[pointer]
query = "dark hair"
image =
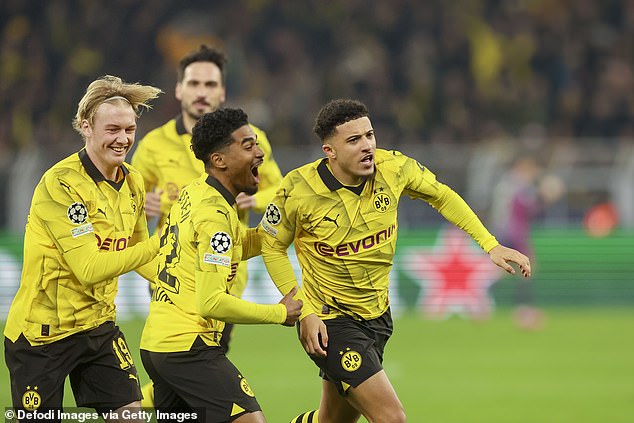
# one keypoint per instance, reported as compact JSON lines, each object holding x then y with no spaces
{"x":203,"y":54}
{"x":213,"y":131}
{"x":335,"y":113}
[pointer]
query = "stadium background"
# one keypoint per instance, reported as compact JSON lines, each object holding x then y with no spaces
{"x":463,"y":87}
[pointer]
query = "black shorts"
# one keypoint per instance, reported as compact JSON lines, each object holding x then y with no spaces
{"x":98,"y":361}
{"x":201,"y":380}
{"x":355,"y":350}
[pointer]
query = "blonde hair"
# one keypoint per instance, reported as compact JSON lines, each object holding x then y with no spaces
{"x":112,"y":88}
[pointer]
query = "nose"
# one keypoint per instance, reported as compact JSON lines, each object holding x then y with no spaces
{"x":121,"y":136}
{"x":368,"y":143}
{"x":258,"y":152}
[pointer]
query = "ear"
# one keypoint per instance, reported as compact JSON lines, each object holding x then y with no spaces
{"x":86,"y":129}
{"x":177,"y":91}
{"x":329,"y":151}
{"x":224,"y":95}
{"x":217,"y":160}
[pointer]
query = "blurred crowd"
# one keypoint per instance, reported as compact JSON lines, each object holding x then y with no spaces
{"x":432,"y":71}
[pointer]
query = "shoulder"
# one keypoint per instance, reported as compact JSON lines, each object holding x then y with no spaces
{"x":67,"y":177}
{"x":395,"y":161}
{"x":304,"y":174}
{"x":135,"y":177}
{"x":165,"y":132}
{"x":208,"y":205}
{"x":390,"y":156}
{"x":68,"y":170}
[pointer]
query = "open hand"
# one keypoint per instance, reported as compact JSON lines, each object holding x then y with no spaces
{"x":502,"y":256}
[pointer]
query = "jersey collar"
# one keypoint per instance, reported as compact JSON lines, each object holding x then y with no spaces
{"x":333,"y":183}
{"x":221,"y":189}
{"x":180,"y":126}
{"x":94,"y":173}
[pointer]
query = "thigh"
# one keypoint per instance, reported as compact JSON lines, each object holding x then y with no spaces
{"x":377,"y":400}
{"x":205,"y":379}
{"x":106,"y":377}
{"x":165,"y":399}
{"x":37,"y":373}
{"x":333,"y":407}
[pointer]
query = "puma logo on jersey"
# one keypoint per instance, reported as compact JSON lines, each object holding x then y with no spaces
{"x":65,"y":185}
{"x":225,"y":214}
{"x":327,"y":219}
{"x":102,"y":212}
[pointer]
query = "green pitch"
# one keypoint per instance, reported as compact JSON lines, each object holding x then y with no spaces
{"x":579,"y":368}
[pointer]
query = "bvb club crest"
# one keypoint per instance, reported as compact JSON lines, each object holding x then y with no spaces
{"x":244,"y":385}
{"x":381,"y":202}
{"x":350,"y":360}
{"x":31,"y":400}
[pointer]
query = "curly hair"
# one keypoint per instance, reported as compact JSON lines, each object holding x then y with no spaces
{"x":213,"y":132}
{"x":202,"y":54}
{"x":112,"y":89}
{"x":335,"y":113}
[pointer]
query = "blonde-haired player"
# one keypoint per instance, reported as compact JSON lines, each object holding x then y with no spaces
{"x":86,"y":226}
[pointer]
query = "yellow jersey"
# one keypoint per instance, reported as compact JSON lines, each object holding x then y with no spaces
{"x":165,"y":159}
{"x":345,"y":237}
{"x":82,"y":232}
{"x":202,"y":244}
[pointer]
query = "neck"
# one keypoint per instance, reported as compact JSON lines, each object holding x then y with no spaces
{"x":111,"y":175}
{"x":108,"y":172}
{"x":224,"y":180}
{"x":343,"y":177}
{"x":188,"y":122}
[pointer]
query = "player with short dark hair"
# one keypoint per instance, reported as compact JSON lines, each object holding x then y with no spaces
{"x":341,"y":214}
{"x":85,"y":227}
{"x":202,"y":243}
{"x":167,"y":163}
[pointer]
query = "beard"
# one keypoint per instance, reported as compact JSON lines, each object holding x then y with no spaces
{"x":195,"y":115}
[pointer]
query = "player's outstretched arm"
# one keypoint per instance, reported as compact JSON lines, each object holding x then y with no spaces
{"x":91,"y":266}
{"x":502,"y":256}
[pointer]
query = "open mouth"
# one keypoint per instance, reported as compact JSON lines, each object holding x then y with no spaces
{"x":255,"y":172}
{"x":367,"y":159}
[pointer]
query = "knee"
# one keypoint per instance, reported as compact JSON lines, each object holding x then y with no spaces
{"x":395,"y":415}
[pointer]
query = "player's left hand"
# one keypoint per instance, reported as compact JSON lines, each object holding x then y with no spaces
{"x":245,"y":201}
{"x":502,"y":256}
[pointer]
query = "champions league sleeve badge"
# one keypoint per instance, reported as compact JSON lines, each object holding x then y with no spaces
{"x":77,"y":213}
{"x":220,"y":242}
{"x":272,"y":216}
